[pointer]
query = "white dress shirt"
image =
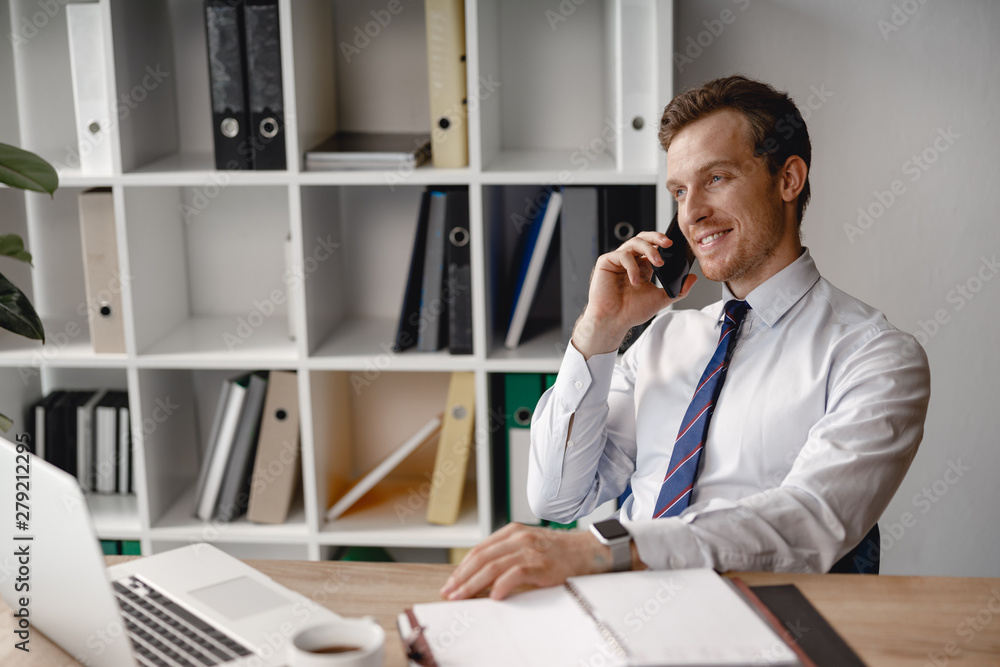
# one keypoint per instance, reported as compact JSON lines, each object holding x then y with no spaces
{"x":818,"y":420}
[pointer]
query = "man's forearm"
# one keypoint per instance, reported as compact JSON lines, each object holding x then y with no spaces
{"x":574,"y":464}
{"x":560,"y":483}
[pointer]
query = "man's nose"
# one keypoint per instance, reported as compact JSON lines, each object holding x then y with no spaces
{"x":695,"y":208}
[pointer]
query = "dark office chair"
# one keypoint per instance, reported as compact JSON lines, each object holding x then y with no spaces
{"x":862,"y":559}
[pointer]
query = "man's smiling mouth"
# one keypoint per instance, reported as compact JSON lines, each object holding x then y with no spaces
{"x":708,"y":239}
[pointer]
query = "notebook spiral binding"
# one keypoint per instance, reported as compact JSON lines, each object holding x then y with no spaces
{"x":616,"y":642}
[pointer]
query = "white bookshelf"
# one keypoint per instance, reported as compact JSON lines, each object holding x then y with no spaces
{"x":200,"y":248}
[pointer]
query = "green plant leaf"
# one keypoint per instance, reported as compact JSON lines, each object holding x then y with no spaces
{"x":11,"y":245}
{"x":5,"y":423}
{"x":16,"y":312}
{"x":27,"y":171}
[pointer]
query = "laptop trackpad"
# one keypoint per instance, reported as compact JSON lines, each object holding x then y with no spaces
{"x":239,"y":598}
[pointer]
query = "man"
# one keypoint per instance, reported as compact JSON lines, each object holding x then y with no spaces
{"x":816,"y":403}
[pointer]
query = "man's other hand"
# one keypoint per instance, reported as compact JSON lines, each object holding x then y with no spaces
{"x":519,"y":555}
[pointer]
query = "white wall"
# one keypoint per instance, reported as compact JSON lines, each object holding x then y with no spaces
{"x":897,"y":75}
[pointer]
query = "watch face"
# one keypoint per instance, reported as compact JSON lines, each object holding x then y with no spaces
{"x":611,"y":529}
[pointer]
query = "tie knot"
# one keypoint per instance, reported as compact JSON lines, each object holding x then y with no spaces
{"x":736,"y":310}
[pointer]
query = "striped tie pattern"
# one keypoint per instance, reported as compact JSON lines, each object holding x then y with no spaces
{"x":675,"y":492}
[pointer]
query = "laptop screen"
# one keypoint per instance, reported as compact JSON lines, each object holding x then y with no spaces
{"x":64,"y":580}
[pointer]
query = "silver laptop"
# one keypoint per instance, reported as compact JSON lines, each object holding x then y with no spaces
{"x":195,"y":605}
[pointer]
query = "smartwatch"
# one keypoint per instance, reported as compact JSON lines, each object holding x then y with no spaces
{"x":612,"y":533}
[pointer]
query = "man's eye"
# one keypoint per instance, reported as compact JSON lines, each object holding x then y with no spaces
{"x":678,"y":192}
{"x":716,"y":178}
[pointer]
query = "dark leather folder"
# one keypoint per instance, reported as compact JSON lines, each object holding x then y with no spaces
{"x":264,"y":89}
{"x":224,"y":20}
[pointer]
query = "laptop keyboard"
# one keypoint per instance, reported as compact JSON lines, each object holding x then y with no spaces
{"x":164,"y":634}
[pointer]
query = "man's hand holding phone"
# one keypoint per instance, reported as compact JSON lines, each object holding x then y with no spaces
{"x":621,"y":294}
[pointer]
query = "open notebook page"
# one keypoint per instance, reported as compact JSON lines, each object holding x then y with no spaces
{"x":682,"y":617}
{"x":543,"y":627}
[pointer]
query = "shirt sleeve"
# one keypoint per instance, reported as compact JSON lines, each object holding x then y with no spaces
{"x":841,"y":481}
{"x":580,"y":457}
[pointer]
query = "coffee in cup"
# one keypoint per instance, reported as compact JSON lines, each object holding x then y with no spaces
{"x":349,"y":642}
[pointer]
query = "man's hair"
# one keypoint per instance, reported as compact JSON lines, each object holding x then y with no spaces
{"x":775,"y":129}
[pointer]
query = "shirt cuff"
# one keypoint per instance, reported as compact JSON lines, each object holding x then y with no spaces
{"x":667,"y":544}
{"x":584,"y":381}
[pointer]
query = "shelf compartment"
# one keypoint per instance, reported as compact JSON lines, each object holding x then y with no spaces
{"x":360,"y":344}
{"x":178,"y":408}
{"x":508,"y":212}
{"x":173,"y":439}
{"x":197,"y":169}
{"x":209,"y":274}
{"x":382,"y":518}
{"x":515,"y":166}
{"x":354,"y":293}
{"x":157,"y":83}
{"x":67,"y":343}
{"x":115,"y":516}
{"x":423,"y":175}
{"x":18,"y":391}
{"x":358,"y":419}
{"x":179,"y":523}
{"x":198,"y":342}
{"x":161,"y":56}
{"x":95,"y":377}
{"x":542,"y":353}
{"x":47,"y":112}
{"x":548,"y":98}
{"x":57,"y":282}
{"x":551,"y":100}
{"x":333,"y":75}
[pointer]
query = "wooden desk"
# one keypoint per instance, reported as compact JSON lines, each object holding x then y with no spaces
{"x":887,"y":620}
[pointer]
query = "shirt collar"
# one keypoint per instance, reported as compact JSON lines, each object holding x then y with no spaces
{"x":776,"y":295}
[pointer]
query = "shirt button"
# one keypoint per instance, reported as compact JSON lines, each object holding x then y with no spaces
{"x":570,"y":443}
{"x":578,"y":384}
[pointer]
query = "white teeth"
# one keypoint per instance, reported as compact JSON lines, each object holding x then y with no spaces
{"x":709,"y":239}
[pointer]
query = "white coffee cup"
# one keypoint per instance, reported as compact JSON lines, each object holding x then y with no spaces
{"x":349,"y":642}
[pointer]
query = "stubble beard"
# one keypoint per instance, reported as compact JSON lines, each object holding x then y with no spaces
{"x":753,"y":252}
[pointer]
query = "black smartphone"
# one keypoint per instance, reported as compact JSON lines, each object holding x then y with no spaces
{"x":678,"y":261}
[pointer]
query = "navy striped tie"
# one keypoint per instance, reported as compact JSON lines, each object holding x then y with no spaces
{"x":675,"y":492}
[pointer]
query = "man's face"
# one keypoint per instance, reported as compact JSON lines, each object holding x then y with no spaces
{"x":729,"y":204}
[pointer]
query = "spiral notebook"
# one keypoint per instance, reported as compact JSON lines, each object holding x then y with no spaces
{"x":679,"y":617}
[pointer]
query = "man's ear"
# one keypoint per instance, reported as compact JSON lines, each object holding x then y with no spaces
{"x":792,"y":178}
